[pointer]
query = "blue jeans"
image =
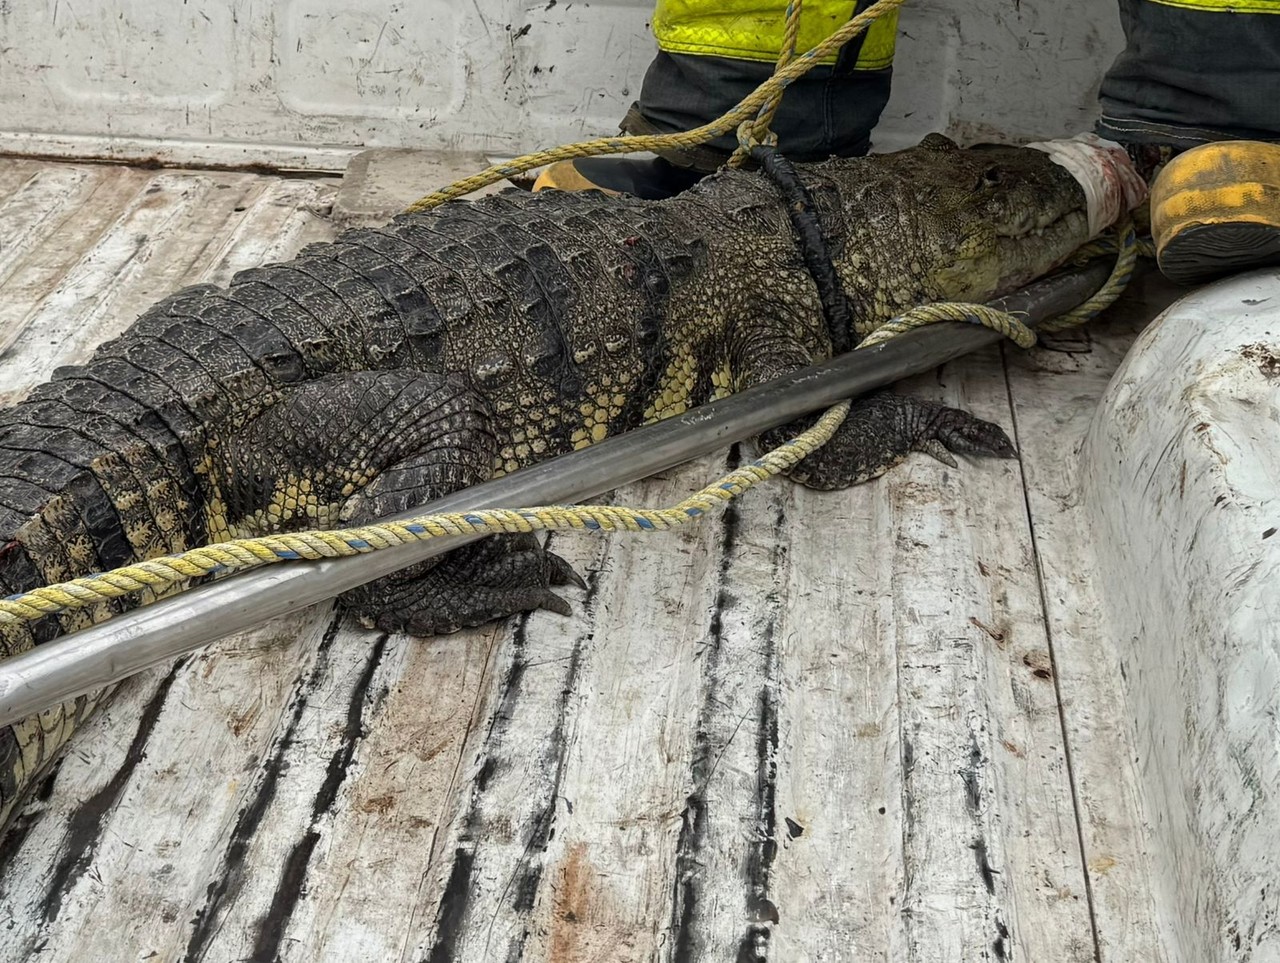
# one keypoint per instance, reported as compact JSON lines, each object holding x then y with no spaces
{"x":1188,"y":76}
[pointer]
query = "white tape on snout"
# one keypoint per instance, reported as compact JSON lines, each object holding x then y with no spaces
{"x":1111,"y":186}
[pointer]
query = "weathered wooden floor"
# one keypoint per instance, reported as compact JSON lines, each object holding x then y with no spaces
{"x":883,"y":724}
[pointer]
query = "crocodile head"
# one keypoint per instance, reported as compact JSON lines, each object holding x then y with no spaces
{"x":955,"y":224}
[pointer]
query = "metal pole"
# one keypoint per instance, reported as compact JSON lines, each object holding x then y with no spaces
{"x":87,"y":660}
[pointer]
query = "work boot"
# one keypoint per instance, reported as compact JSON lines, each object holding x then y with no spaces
{"x":1215,"y":210}
{"x":649,"y":178}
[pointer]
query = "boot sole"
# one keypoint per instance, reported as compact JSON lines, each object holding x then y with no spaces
{"x":1201,"y":252}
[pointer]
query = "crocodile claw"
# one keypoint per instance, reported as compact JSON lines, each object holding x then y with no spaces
{"x":938,"y":451}
{"x":554,"y":603}
{"x":562,"y":573}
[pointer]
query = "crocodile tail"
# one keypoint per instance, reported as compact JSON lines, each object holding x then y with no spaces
{"x":67,"y":508}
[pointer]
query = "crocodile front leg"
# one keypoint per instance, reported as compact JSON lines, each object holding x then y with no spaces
{"x":347,"y":449}
{"x":881,"y":429}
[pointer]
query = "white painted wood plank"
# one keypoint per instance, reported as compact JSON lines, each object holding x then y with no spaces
{"x":631,"y":758}
{"x":489,"y":857}
{"x":167,"y":231}
{"x":931,"y":815}
{"x":15,"y":172}
{"x":726,"y":899}
{"x":838,"y":871}
{"x":1055,"y":390}
{"x":116,"y":278}
{"x":991,"y":860}
{"x":252,"y":876}
{"x":143,"y":797}
{"x":29,"y":211}
{"x":371,"y":887}
{"x":271,"y":223}
{"x":324,"y":724}
{"x":46,"y":261}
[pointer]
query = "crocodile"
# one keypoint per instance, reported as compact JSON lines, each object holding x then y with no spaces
{"x":394,"y":365}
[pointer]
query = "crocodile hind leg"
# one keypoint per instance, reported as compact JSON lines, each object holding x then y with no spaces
{"x":491,"y":579}
{"x":881,"y":431}
{"x":478,"y":583}
{"x":346,"y":449}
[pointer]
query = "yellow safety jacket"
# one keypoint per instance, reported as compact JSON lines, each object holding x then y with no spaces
{"x":753,"y":29}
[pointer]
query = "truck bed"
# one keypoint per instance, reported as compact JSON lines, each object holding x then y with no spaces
{"x":881,"y":724}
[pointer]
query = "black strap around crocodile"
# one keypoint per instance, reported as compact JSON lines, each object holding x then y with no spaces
{"x":813,"y":243}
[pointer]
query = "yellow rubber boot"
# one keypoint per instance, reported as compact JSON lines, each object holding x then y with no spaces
{"x":565,"y":176}
{"x":651,"y":179}
{"x":1216,"y":210}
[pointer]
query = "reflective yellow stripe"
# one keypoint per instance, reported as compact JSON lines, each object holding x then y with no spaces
{"x":878,"y":43}
{"x":1225,"y":6}
{"x":753,"y":29}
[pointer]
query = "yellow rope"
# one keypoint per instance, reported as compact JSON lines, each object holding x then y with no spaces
{"x":757,"y":131}
{"x":747,"y":110}
{"x":1127,"y":248}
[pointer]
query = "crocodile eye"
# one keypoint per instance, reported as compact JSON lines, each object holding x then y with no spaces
{"x":991,"y":177}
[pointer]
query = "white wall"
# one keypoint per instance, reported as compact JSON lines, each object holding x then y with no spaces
{"x":304,"y":82}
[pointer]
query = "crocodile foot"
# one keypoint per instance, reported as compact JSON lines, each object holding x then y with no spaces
{"x":881,"y":431}
{"x":491,"y":579}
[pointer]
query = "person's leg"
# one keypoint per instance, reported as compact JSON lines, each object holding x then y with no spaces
{"x":693,"y":80}
{"x":1202,"y":74}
